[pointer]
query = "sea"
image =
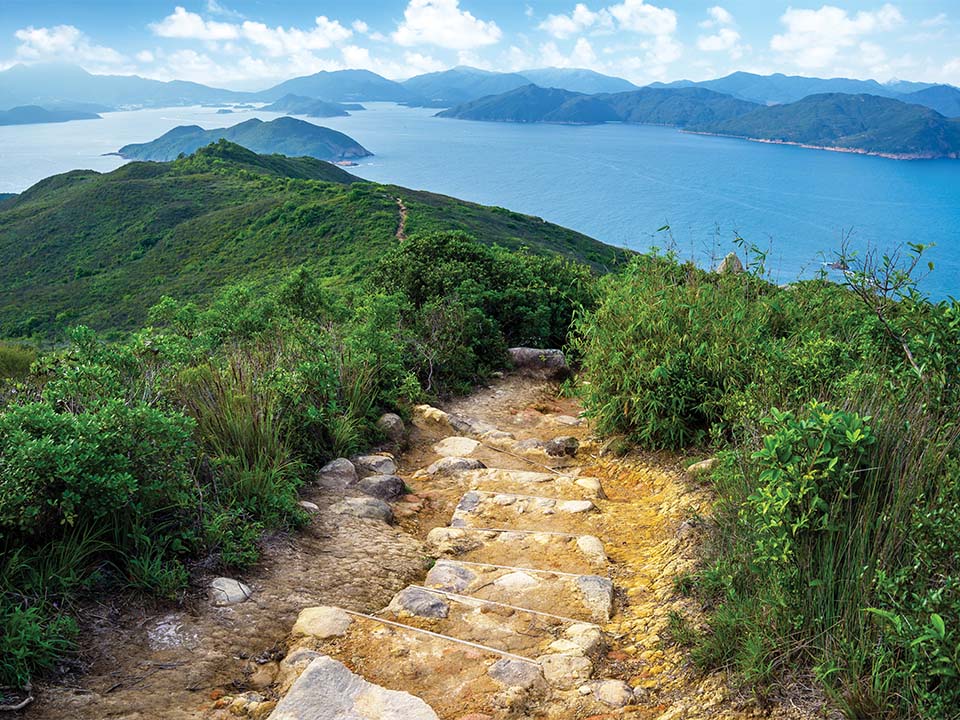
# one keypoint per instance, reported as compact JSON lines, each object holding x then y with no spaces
{"x":638,"y":187}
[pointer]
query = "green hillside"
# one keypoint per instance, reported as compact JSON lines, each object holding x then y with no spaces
{"x":101,"y":249}
{"x":861,"y":122}
{"x":285,"y":136}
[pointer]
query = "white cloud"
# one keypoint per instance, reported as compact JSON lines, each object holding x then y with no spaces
{"x":216,"y":8}
{"x":360,"y":26}
{"x":444,"y":24}
{"x":718,"y":16}
{"x":190,"y":26}
{"x":725,"y":38}
{"x":282,"y":41}
{"x":66,"y":43}
{"x":145,"y":56}
{"x":582,"y":18}
{"x":816,"y":39}
{"x":935,"y":21}
{"x":641,"y":17}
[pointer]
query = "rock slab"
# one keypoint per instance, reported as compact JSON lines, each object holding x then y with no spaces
{"x":327,"y":689}
{"x":227,"y":591}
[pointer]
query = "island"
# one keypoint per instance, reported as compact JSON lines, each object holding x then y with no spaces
{"x":283,"y":136}
{"x":311,"y":107}
{"x":35,"y":115}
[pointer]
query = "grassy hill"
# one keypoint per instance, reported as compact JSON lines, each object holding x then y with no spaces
{"x":101,"y":248}
{"x":860,"y":122}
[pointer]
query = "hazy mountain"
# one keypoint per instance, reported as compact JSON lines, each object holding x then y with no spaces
{"x":462,"y":84}
{"x":578,"y":80}
{"x":530,"y":103}
{"x":31,"y":114}
{"x":342,"y":86}
{"x":284,"y":136}
{"x":299,"y":105}
{"x":658,"y":106}
{"x":866,"y":123}
{"x":51,"y":84}
{"x":945,"y":99}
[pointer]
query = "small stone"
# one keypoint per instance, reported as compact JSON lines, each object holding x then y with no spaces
{"x":516,"y":581}
{"x":309,"y":506}
{"x":704,"y":466}
{"x":565,"y":646}
{"x":448,"y":576}
{"x":614,"y":693}
{"x":591,"y":485}
{"x":587,"y":637}
{"x":504,"y":500}
{"x":392,"y":426}
{"x":263,"y":676}
{"x":470,"y":426}
{"x":563,"y":445}
{"x":585,"y":690}
{"x":568,"y":420}
{"x":227,"y":591}
{"x":337,"y":474}
{"x":419,"y":602}
{"x":426,"y":417}
{"x":592,"y":547}
{"x":576,"y":506}
{"x":322,"y":622}
{"x":367,"y":507}
{"x":452,"y":465}
{"x":597,"y":594}
{"x":530,"y":444}
{"x":565,"y":671}
{"x":367,"y":465}
{"x":383,"y":487}
{"x":515,"y":673}
{"x":469,"y":502}
{"x":456,"y":446}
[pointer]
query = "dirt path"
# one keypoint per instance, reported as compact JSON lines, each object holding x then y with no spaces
{"x":497,"y":574}
{"x":402,"y":224}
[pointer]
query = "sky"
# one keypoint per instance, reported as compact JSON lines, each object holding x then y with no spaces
{"x":252,"y":44}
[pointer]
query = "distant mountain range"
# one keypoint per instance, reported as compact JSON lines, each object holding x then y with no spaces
{"x":656,"y":106}
{"x":34,"y":114}
{"x":859,"y":123}
{"x":284,"y":136}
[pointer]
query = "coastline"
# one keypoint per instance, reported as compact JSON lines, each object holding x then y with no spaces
{"x":832,"y":148}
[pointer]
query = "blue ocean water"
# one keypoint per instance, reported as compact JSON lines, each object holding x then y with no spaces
{"x":616,"y":183}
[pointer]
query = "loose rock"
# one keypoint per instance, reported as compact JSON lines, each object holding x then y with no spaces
{"x":337,"y":474}
{"x":704,"y":466}
{"x":322,"y":622}
{"x":614,"y":693}
{"x":597,"y":593}
{"x":419,"y":602}
{"x":451,"y":465}
{"x":450,"y":577}
{"x":383,"y":487}
{"x":456,"y":446}
{"x":563,"y":445}
{"x":227,"y":591}
{"x":367,"y":465}
{"x":592,"y":547}
{"x":515,"y":673}
{"x":576,"y":506}
{"x":392,"y":426}
{"x":565,"y":671}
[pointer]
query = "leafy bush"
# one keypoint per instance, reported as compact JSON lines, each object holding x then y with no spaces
{"x":15,"y":361}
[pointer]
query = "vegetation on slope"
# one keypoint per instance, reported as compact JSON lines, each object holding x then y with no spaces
{"x":861,"y":122}
{"x":284,"y":136}
{"x":833,"y":547}
{"x":100,"y":249}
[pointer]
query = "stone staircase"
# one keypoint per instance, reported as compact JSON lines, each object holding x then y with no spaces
{"x":508,"y":621}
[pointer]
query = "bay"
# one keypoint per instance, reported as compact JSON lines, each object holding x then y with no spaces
{"x":617,"y":183}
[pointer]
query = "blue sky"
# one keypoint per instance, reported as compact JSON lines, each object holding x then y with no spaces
{"x":249,"y":44}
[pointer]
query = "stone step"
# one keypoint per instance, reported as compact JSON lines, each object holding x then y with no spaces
{"x":486,"y":508}
{"x":452,"y":676}
{"x":517,"y":630}
{"x":582,"y":597}
{"x":542,"y":484}
{"x":567,"y":552}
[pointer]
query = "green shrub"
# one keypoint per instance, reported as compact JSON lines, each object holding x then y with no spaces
{"x":15,"y":361}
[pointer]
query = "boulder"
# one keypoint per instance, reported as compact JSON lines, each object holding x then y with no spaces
{"x":565,"y":670}
{"x":516,"y":581}
{"x":585,"y":636}
{"x":227,"y":591}
{"x":456,"y":446}
{"x":382,"y":487}
{"x":337,"y":474}
{"x":563,"y":445}
{"x":420,"y":603}
{"x":542,"y":363}
{"x":430,"y":418}
{"x":597,"y":594}
{"x":322,"y":622}
{"x":452,"y":465}
{"x":591,"y":546}
{"x":450,"y":577}
{"x":367,"y":465}
{"x":516,"y":673}
{"x":702,"y":467}
{"x":614,"y":693}
{"x":392,"y":426}
{"x":730,"y":265}
{"x":367,"y":507}
{"x":327,"y":689}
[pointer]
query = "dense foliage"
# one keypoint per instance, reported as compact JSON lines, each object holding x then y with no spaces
{"x":121,"y":463}
{"x":104,"y":248}
{"x":834,"y":550}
